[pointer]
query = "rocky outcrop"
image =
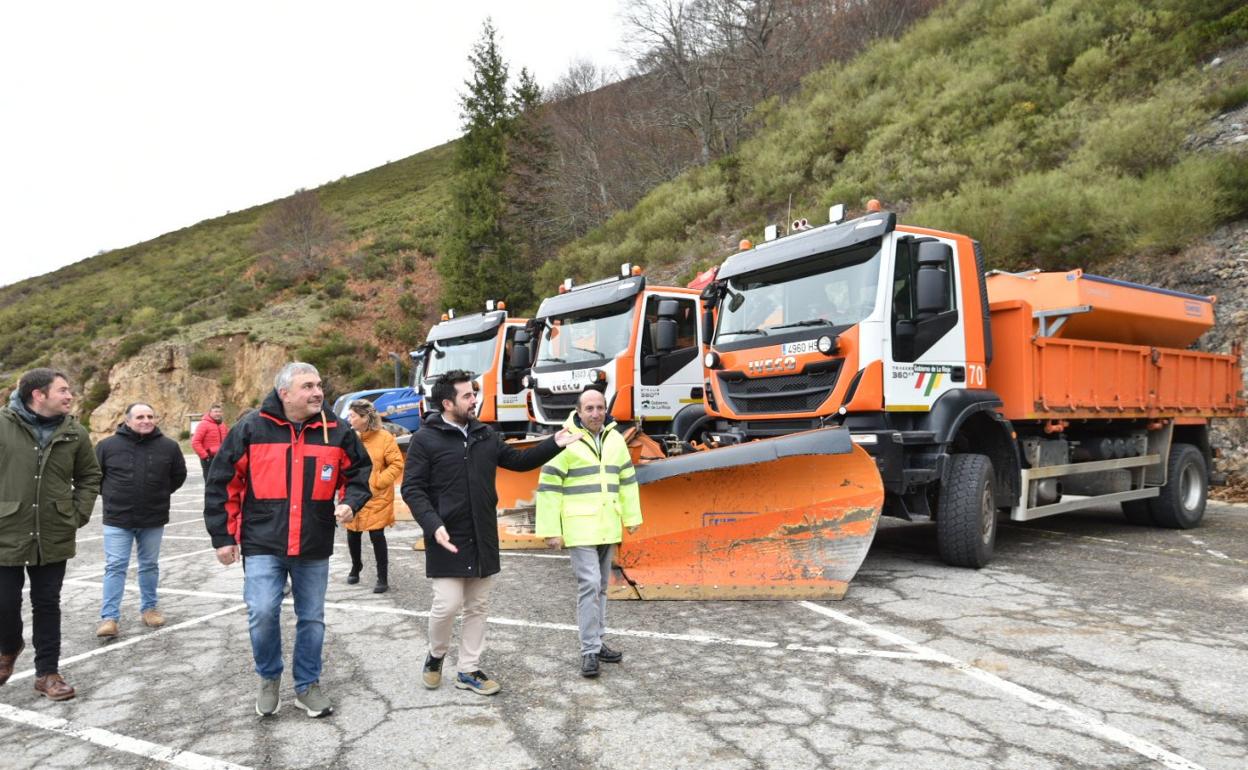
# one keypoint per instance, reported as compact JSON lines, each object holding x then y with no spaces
{"x":230,"y":370}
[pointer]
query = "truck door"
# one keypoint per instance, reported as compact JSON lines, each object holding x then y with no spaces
{"x":667,"y":378}
{"x":925,"y":355}
{"x":511,"y":399}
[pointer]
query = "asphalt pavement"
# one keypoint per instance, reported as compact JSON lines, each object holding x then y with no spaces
{"x":1087,"y":642}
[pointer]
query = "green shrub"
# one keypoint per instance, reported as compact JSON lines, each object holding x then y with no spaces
{"x":1228,"y":98}
{"x":410,"y":305}
{"x":133,"y":344}
{"x":225,"y":380}
{"x":343,"y":310}
{"x":205,"y":360}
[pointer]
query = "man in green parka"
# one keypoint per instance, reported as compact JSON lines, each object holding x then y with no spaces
{"x":585,"y":497}
{"x":49,"y":479}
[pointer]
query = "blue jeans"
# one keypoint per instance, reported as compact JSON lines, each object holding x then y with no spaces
{"x":117,"y":542}
{"x":265,"y":577}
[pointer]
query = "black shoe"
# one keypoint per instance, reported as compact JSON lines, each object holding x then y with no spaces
{"x":589,"y":665}
{"x":432,"y":674}
{"x":608,"y":655}
{"x":381,"y":587}
{"x":353,"y":578}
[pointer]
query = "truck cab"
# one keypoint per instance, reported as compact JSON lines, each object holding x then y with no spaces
{"x":637,"y":344}
{"x":858,"y":322}
{"x":496,"y":349}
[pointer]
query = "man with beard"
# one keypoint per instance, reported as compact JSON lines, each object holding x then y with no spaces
{"x":449,"y":486}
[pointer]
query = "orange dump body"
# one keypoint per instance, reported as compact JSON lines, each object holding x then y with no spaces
{"x":1112,"y":311}
{"x":1061,"y":377}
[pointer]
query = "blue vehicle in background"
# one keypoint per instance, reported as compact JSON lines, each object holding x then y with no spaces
{"x":399,"y":406}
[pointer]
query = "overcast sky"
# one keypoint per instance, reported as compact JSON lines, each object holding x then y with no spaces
{"x":124,"y":120}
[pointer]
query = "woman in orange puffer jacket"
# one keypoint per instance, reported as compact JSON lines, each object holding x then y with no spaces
{"x":378,"y":514}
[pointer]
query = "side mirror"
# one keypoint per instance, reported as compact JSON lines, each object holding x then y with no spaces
{"x":708,"y":325}
{"x":932,"y":281}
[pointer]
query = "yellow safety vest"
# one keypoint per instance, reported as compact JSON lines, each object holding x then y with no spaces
{"x":586,"y":497}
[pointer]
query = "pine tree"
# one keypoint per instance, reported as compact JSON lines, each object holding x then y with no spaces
{"x":528,"y":217}
{"x":477,"y":262}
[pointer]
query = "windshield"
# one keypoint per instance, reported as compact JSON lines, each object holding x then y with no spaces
{"x":473,"y":355}
{"x":835,"y":289}
{"x":594,"y":334}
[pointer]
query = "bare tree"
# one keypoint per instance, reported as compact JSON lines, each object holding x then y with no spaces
{"x":295,"y":237}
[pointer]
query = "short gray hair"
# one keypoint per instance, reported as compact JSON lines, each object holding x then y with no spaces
{"x":286,"y":377}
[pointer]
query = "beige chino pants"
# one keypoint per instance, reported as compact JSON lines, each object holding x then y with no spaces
{"x":450,"y":595}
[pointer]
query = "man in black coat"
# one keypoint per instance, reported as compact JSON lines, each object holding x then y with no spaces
{"x":142,"y":469}
{"x":449,"y":486}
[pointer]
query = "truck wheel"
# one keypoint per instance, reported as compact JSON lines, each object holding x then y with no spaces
{"x":690,"y":423}
{"x":1138,"y":512}
{"x":1181,"y":504}
{"x":966,"y":516}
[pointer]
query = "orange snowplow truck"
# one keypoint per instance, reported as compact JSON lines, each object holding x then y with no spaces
{"x":635,"y":343}
{"x":975,"y":394}
{"x":495,"y":348}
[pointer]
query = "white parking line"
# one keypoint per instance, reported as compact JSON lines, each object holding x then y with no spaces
{"x":200,"y":538}
{"x":1086,"y":721}
{"x":111,"y":740}
{"x":198,"y":520}
{"x":111,"y":646}
{"x":636,"y":634}
{"x":134,"y":563}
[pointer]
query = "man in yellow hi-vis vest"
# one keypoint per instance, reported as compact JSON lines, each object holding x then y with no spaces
{"x":585,"y":497}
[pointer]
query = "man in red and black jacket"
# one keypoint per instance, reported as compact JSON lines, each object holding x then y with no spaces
{"x":271,"y":490}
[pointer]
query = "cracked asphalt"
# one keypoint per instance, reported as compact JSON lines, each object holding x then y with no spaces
{"x":1087,"y":642}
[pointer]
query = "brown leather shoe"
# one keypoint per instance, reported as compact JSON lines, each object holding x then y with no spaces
{"x":107,"y":629}
{"x":54,"y":687}
{"x":153,"y":618}
{"x":7,"y":662}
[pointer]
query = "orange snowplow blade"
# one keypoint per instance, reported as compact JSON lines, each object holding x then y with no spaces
{"x":783,"y":518}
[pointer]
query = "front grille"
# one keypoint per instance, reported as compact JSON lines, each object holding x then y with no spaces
{"x":555,"y":406}
{"x":776,"y":395}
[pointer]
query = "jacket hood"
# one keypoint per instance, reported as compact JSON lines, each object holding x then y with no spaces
{"x":30,"y":418}
{"x":19,"y":408}
{"x":125,"y":431}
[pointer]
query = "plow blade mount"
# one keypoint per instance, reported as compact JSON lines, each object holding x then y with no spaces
{"x":783,"y":518}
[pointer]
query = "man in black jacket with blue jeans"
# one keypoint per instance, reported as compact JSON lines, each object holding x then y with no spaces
{"x":142,"y":469}
{"x":449,"y":485}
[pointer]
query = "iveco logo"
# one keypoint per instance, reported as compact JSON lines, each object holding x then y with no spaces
{"x":769,"y":365}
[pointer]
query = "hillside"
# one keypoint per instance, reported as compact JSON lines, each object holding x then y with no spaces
{"x":201,"y":282}
{"x":1054,"y":132}
{"x":1059,"y":133}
